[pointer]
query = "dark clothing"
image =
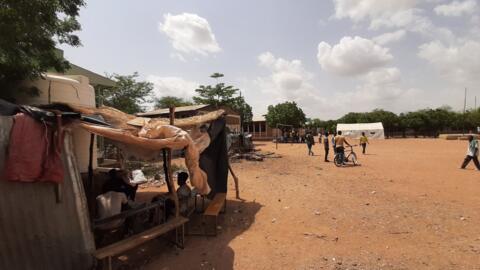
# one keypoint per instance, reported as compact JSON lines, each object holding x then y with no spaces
{"x":364,"y":145}
{"x":117,"y":185}
{"x":467,"y":160}
{"x":326,"y":143}
{"x":340,"y":151}
{"x":326,"y":153}
{"x":310,"y":152}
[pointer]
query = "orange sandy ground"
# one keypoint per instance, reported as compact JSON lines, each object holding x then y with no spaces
{"x":408,"y":206}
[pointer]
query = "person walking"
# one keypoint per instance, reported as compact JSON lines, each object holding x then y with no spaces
{"x":310,"y":142}
{"x":326,"y":146}
{"x":363,"y":142}
{"x":472,"y":153}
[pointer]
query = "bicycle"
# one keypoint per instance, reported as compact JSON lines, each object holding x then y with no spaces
{"x":347,"y":158}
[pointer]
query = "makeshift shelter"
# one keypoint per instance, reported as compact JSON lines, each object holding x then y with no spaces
{"x":47,"y":224}
{"x":354,"y":131}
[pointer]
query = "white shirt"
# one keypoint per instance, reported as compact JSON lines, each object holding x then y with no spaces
{"x":472,"y":148}
{"x":110,"y":204}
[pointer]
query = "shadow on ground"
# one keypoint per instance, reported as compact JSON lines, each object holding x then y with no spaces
{"x":200,"y":252}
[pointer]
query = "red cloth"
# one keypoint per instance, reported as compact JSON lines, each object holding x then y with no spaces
{"x":34,"y":152}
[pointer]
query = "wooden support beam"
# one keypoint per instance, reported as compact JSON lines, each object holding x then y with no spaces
{"x":169,"y":162}
{"x":235,"y":179}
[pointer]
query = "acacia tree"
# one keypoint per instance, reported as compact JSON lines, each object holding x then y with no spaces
{"x":30,"y":30}
{"x":128,"y":94}
{"x":287,"y":113}
{"x":226,"y":95}
{"x":171,"y":101}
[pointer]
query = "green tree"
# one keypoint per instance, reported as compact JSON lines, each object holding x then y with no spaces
{"x":216,"y":95}
{"x":128,"y":95}
{"x":287,"y":113}
{"x":169,"y":101}
{"x":223,"y":95}
{"x":243,"y":108}
{"x":389,"y":120}
{"x":30,"y":30}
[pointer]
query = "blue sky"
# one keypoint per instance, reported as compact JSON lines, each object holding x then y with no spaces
{"x":331,"y":56}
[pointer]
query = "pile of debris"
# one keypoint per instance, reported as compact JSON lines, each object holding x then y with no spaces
{"x":253,"y":156}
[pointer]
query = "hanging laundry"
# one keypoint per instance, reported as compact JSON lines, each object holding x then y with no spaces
{"x":34,"y":151}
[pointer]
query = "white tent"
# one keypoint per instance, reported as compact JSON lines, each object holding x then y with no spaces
{"x":354,"y":131}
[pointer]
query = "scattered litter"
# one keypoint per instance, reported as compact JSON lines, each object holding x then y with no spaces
{"x":463,"y":218}
{"x":373,"y":192}
{"x":317,"y":212}
{"x":274,"y":220}
{"x":254,"y":156}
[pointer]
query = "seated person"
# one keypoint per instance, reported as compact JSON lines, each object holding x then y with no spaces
{"x":183,"y":192}
{"x":119,"y":182}
{"x":110,"y":204}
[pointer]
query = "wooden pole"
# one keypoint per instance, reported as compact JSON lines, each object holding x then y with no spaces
{"x":235,"y":179}
{"x":90,"y":198}
{"x":169,"y":162}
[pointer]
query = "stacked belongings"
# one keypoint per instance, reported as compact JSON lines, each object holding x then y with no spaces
{"x":203,"y":138}
{"x":35,"y":145}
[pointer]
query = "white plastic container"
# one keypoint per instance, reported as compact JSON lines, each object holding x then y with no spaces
{"x":74,"y":89}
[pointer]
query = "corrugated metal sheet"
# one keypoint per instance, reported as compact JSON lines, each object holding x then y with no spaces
{"x":36,"y":231}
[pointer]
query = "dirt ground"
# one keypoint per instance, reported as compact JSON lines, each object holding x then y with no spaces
{"x":408,"y":206}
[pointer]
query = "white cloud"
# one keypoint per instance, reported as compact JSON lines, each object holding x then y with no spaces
{"x":456,"y":8}
{"x":172,"y":86}
{"x":459,"y":63}
{"x":390,"y":37}
{"x":288,"y":81}
{"x":381,"y":88}
{"x":352,"y":56}
{"x":382,"y":76}
{"x":404,"y":14}
{"x":287,"y":75}
{"x":189,"y":33}
{"x":388,"y":13}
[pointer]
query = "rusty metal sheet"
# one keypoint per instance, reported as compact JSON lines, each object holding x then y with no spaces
{"x":37,"y":231}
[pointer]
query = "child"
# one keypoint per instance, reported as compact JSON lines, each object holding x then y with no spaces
{"x":183,"y":192}
{"x":472,"y":153}
{"x":363,"y":142}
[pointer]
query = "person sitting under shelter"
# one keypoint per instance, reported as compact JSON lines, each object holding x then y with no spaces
{"x":110,"y":204}
{"x":184,"y":192}
{"x":119,"y":182}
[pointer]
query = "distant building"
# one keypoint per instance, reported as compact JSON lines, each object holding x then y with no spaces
{"x":260,"y":130}
{"x":232,"y":117}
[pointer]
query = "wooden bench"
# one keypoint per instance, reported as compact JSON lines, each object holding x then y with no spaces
{"x":216,"y":206}
{"x":121,"y":246}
